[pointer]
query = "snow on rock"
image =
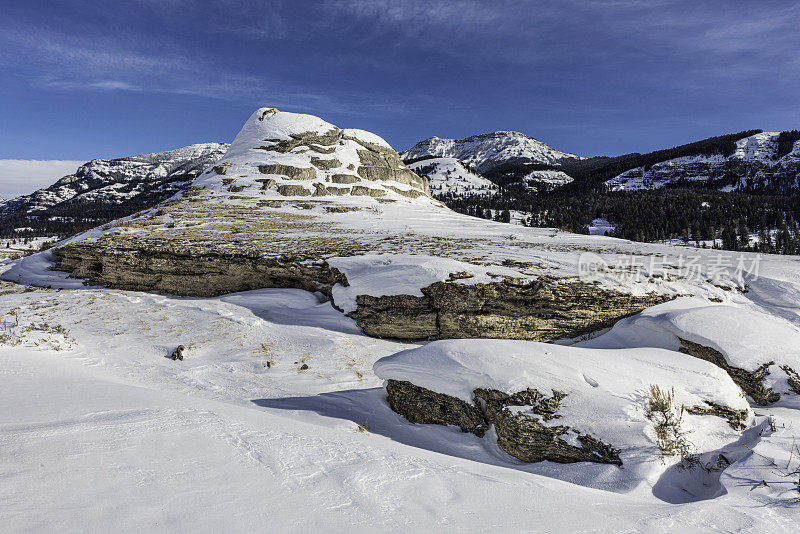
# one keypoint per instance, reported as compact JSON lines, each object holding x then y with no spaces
{"x":605,"y":390}
{"x":282,"y":154}
{"x":747,"y":339}
{"x":402,"y":274}
{"x":487,"y":151}
{"x":755,"y":160}
{"x":547,"y":179}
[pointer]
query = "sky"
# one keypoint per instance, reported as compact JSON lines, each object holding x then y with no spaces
{"x":84,"y":79}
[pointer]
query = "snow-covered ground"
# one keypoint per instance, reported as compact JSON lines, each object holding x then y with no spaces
{"x":14,"y":248}
{"x":759,"y":151}
{"x":101,"y":430}
{"x":276,"y":419}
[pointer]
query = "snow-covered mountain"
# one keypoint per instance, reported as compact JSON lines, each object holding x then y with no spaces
{"x":486,"y":152}
{"x":756,"y":163}
{"x":451,"y":177}
{"x":509,"y":159}
{"x":119,"y":180}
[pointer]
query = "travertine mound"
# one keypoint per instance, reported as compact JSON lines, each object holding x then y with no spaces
{"x":298,"y":202}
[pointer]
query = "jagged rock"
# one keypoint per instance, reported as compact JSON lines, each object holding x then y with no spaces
{"x":519,"y":434}
{"x":420,"y":405}
{"x":266,"y":183}
{"x":344,"y":179}
{"x":177,"y":354}
{"x":320,"y":190}
{"x":595,"y":410}
{"x":750,"y":382}
{"x":291,"y":190}
{"x":544,"y":310}
{"x":736,"y":418}
{"x":325,"y":164}
{"x":360,"y":190}
{"x":793,"y":378}
{"x":322,"y":143}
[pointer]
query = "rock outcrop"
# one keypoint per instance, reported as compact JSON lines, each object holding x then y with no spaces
{"x":561,"y":403}
{"x":543,"y":310}
{"x":295,"y":194}
{"x":191,"y":272}
{"x":751,"y":383}
{"x":522,"y":435}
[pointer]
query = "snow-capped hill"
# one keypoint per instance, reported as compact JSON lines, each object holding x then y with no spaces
{"x":756,"y":163}
{"x":281,"y":154}
{"x":449,"y":177}
{"x":118,"y":180}
{"x":486,"y":152}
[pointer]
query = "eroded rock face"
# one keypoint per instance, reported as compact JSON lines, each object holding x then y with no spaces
{"x":520,"y":433}
{"x":544,"y":310}
{"x":751,"y":383}
{"x":189,"y":273}
{"x":420,"y":405}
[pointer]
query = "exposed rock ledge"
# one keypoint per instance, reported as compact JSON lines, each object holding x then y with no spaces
{"x":751,"y":383}
{"x":521,"y":435}
{"x":190,"y":273}
{"x":544,"y":310}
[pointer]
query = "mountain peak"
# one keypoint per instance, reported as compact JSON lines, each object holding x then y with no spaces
{"x":487,"y":151}
{"x":283,"y":154}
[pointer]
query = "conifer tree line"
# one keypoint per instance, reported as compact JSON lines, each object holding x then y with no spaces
{"x":759,"y":215}
{"x":704,"y":217}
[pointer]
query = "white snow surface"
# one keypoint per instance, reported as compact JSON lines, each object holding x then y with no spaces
{"x":747,"y":337}
{"x":100,"y":430}
{"x":401,"y":274}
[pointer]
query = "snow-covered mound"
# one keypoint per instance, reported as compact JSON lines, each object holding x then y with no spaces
{"x":297,"y":202}
{"x":747,"y":339}
{"x":119,"y":180}
{"x":755,"y":162}
{"x":281,"y":154}
{"x":449,"y":177}
{"x":599,"y":393}
{"x":488,"y":151}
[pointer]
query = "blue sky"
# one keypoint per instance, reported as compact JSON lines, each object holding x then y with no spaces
{"x":84,"y":79}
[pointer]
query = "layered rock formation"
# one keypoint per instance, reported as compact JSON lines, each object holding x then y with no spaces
{"x":543,"y":310}
{"x":298,"y":202}
{"x":756,"y":165}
